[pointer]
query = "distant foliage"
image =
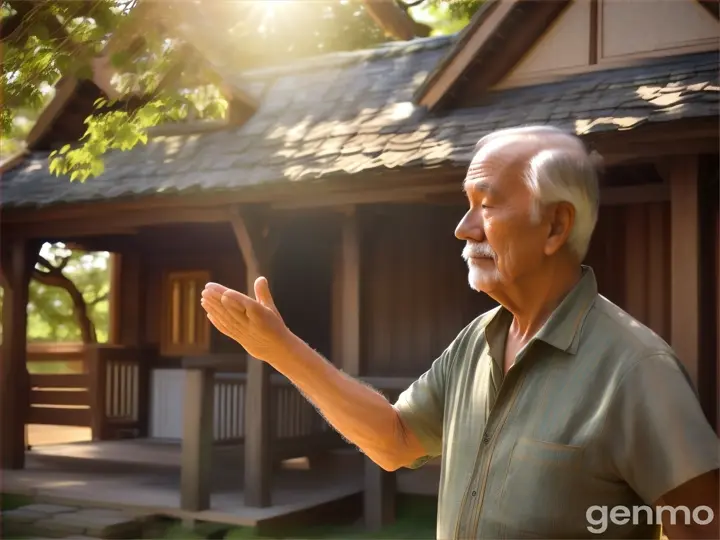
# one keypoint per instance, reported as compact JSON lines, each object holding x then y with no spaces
{"x":51,"y":317}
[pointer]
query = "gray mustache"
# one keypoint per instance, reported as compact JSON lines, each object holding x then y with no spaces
{"x":477,"y":250}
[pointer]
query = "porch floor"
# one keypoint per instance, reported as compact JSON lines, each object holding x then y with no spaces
{"x":143,"y":476}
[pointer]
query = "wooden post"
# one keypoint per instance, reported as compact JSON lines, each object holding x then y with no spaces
{"x":257,"y":251}
{"x":685,"y":256}
{"x":197,"y":443}
{"x":115,"y":303}
{"x":379,"y":499}
{"x":18,"y":259}
{"x":95,"y":365}
{"x":350,"y":294}
{"x":379,"y":495}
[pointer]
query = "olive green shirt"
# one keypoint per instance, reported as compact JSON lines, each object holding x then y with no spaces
{"x":596,"y":412}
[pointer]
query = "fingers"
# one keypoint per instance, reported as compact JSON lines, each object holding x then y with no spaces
{"x":223,"y":317}
{"x":262,"y":293}
{"x":216,"y":287}
{"x":220,"y":325}
{"x":221,"y":301}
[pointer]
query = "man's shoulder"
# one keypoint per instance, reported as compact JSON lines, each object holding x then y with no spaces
{"x":619,"y":327}
{"x":625,"y":340}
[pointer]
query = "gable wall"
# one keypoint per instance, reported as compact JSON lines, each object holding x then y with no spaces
{"x":596,"y":34}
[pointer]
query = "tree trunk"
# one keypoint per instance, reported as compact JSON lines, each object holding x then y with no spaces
{"x":54,"y":277}
{"x":394,"y":20}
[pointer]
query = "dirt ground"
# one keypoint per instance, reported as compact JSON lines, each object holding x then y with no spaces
{"x":41,"y":435}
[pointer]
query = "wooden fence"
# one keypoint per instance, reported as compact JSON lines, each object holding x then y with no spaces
{"x":103,"y":387}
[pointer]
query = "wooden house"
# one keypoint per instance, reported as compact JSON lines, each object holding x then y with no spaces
{"x":342,"y":185}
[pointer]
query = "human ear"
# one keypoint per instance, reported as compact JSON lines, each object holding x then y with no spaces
{"x":561,"y":219}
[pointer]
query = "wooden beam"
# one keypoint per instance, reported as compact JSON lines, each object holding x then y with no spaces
{"x":121,"y":222}
{"x":381,"y":195}
{"x":349,"y":305}
{"x":197,"y":443}
{"x":476,"y":34}
{"x":17,"y":258}
{"x":684,"y":246}
{"x":252,"y":234}
{"x":131,"y":310}
{"x":432,"y":177}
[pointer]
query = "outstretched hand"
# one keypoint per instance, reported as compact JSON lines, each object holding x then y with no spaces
{"x":255,"y":323}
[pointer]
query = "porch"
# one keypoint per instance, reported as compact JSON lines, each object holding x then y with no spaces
{"x":143,"y":476}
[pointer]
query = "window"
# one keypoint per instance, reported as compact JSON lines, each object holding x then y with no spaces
{"x":186,"y":329}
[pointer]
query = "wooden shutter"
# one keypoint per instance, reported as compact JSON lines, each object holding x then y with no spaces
{"x":186,"y":329}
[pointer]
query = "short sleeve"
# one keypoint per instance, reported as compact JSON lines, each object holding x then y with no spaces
{"x":657,"y":436}
{"x":421,"y":408}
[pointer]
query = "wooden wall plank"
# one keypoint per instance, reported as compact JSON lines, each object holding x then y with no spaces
{"x":61,"y":380}
{"x":657,"y":269}
{"x":416,"y":291}
{"x":60,"y":397}
{"x":636,"y":268}
{"x":685,"y":287}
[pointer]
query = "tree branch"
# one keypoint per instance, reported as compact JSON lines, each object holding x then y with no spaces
{"x":54,"y":277}
{"x":394,"y":19}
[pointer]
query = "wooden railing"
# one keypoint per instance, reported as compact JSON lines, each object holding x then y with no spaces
{"x":60,"y":388}
{"x":103,"y":387}
{"x":294,"y":417}
{"x":119,"y":391}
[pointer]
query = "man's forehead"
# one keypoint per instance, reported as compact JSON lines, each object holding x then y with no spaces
{"x":491,"y":159}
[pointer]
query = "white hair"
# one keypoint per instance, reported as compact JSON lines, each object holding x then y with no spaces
{"x":560,"y":170}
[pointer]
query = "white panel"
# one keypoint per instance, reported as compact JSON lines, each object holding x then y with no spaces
{"x":632,"y":27}
{"x":566,"y":44}
{"x":166,"y":407}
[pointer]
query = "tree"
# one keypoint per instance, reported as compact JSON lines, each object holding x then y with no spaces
{"x":149,"y":70}
{"x":69,"y":296}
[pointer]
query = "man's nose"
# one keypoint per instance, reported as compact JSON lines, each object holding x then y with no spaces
{"x":471,"y":227}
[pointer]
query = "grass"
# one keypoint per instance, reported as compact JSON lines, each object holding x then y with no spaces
{"x":416,"y":519}
{"x":9,"y":501}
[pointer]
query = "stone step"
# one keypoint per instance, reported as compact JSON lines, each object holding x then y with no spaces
{"x":59,"y":521}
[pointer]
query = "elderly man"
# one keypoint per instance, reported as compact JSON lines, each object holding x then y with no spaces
{"x":556,"y":414}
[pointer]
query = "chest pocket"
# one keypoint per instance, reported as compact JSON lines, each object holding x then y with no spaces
{"x":542,"y":493}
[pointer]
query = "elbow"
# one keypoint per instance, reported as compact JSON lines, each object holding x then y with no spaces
{"x":388,"y":463}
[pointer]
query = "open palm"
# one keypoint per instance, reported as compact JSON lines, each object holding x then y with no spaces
{"x":255,"y":324}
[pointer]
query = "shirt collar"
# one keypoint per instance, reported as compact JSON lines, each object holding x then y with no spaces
{"x":562,"y":329}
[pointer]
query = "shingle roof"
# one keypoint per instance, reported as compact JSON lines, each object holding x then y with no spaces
{"x":341,"y":114}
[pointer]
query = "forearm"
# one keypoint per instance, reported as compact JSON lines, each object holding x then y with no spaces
{"x":361,"y":414}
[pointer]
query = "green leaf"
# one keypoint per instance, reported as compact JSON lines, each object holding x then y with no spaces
{"x":40,"y":31}
{"x":119,"y":59}
{"x":84,"y":72}
{"x":64,"y":149}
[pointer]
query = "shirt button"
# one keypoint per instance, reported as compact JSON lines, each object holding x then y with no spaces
{"x":486,"y":438}
{"x":474,"y":493}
